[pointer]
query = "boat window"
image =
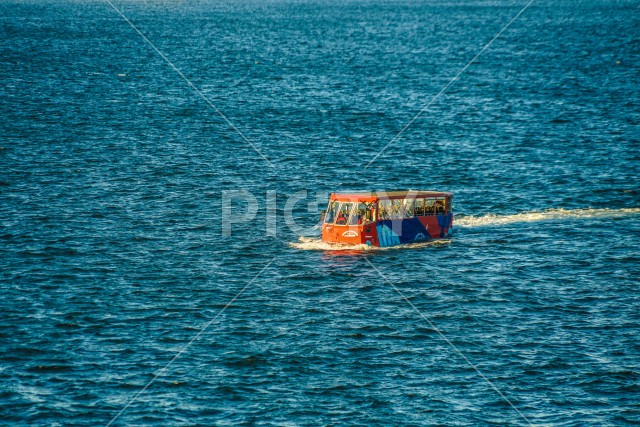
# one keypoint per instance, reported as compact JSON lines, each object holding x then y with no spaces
{"x":396,"y":209}
{"x":449,"y":204}
{"x":440,"y":206}
{"x":409,"y":206}
{"x":384,"y":209}
{"x":343,"y":213}
{"x":332,"y":209}
{"x":363,"y":214}
{"x":370,"y":213}
{"x":356,"y":215}
{"x":419,"y":211}
{"x":429,"y":206}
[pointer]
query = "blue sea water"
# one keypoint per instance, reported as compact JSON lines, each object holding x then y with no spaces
{"x":115,"y":274}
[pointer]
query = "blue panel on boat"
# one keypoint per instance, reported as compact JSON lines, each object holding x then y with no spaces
{"x":410,"y":230}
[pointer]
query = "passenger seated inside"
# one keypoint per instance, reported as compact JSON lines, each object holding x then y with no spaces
{"x":409,"y":208}
{"x":385,"y":214}
{"x":368,"y":213}
{"x":429,"y":207}
{"x":396,"y":210}
{"x":341,"y":219}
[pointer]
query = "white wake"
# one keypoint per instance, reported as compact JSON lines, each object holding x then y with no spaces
{"x":550,"y":214}
{"x":316,"y":244}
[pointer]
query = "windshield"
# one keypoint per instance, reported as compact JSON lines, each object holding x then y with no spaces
{"x":332,"y":209}
{"x":343,"y":213}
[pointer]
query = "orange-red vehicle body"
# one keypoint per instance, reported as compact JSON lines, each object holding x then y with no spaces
{"x":387,"y":218}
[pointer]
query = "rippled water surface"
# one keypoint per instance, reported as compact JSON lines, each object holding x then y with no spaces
{"x":115,"y":273}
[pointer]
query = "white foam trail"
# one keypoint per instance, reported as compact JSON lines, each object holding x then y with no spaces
{"x":316,"y":244}
{"x":550,"y":214}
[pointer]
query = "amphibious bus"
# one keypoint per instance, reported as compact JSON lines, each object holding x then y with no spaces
{"x":387,"y":218}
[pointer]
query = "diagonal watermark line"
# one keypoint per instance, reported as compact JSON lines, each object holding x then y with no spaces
{"x":444,"y":89}
{"x":178,"y":354}
{"x":439,"y":332}
{"x":191,"y":85}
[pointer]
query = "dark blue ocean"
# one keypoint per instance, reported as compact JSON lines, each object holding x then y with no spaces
{"x":122,"y":302}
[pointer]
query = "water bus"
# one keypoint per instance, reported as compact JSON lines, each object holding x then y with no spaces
{"x":387,"y":218}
